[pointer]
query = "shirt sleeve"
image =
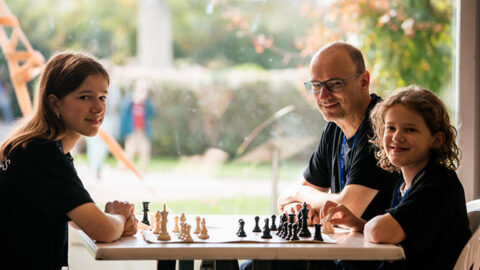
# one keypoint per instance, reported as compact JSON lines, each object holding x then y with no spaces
{"x":317,"y":170}
{"x":60,"y":188}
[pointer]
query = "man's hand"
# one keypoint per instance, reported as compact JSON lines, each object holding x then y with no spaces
{"x":294,"y":208}
{"x":287,"y":197}
{"x":339,"y":214}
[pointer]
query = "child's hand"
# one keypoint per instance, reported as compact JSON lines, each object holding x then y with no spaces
{"x":124,"y":209}
{"x":339,"y":214}
{"x":130,"y":226}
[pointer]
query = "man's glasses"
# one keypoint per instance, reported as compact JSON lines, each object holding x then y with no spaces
{"x":332,"y":85}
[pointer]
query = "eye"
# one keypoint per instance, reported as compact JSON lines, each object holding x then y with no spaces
{"x":316,"y":85}
{"x":84,"y":97}
{"x":411,"y":130}
{"x":103,"y":98}
{"x":389,"y":128}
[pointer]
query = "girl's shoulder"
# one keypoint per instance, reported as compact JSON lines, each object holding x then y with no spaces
{"x":37,"y":149}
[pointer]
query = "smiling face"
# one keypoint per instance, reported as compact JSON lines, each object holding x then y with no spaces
{"x":407,"y":140}
{"x":83,"y":110}
{"x":337,"y":64}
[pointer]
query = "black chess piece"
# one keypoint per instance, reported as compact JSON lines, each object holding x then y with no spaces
{"x":289,"y":231}
{"x":283,"y":219}
{"x":294,"y":232}
{"x":256,"y":228}
{"x":145,"y":213}
{"x":291,"y":218}
{"x":304,"y":232}
{"x":284,"y":230}
{"x":266,"y":231}
{"x":274,"y":226}
{"x":318,"y":232}
{"x":241,"y":229}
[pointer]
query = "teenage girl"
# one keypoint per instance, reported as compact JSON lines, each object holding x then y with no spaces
{"x":40,"y":191}
{"x":414,"y":136}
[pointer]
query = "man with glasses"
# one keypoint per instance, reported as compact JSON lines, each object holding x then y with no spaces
{"x":343,"y":168}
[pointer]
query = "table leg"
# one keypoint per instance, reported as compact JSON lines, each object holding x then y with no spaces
{"x":166,"y":265}
{"x":185,"y":265}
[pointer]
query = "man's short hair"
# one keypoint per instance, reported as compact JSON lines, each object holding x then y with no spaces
{"x":355,"y":54}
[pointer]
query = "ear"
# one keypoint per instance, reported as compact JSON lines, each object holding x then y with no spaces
{"x":438,"y":139}
{"x":365,"y":81}
{"x":53,"y":103}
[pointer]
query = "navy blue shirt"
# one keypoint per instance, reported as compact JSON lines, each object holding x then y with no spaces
{"x":38,"y":186}
{"x":434,"y":217}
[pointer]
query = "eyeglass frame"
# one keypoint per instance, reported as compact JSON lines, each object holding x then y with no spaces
{"x":324,"y":83}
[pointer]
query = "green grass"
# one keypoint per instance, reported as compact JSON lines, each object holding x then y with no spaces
{"x":288,"y":169}
{"x":230,"y":206}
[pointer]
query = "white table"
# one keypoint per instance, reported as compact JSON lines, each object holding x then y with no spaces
{"x":347,"y":246}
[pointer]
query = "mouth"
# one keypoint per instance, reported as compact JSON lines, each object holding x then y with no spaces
{"x":328,"y":105}
{"x":398,"y":149}
{"x":94,"y":121}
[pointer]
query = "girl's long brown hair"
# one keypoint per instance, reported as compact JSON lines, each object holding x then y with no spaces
{"x":63,"y":73}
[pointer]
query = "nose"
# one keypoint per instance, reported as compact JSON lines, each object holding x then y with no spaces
{"x":323,"y":93}
{"x":398,"y":136}
{"x":98,"y":106}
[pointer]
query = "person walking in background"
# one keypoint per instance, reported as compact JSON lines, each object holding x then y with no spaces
{"x":136,"y":114}
{"x":5,"y":104}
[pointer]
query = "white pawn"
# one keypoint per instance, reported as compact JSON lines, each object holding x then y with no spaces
{"x":203,"y":232}
{"x":188,"y":238}
{"x":197,"y":227}
{"x":176,"y":229}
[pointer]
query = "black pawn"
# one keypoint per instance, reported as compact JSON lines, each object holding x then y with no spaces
{"x":256,"y":228}
{"x":284,"y":230}
{"x":294,"y":232}
{"x":318,"y":232}
{"x":274,"y":226}
{"x":266,"y":231}
{"x":241,"y":230}
{"x":289,"y":231}
{"x":145,"y":213}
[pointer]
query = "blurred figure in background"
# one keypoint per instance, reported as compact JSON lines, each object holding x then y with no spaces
{"x":136,"y":114}
{"x":5,"y":104}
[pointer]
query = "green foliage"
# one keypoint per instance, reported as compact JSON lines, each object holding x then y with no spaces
{"x":410,"y":43}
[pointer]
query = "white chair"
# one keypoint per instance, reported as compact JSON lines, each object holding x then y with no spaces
{"x":470,"y":256}
{"x":473,"y":212}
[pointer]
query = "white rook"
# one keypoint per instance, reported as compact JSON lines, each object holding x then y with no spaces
{"x":154,"y":35}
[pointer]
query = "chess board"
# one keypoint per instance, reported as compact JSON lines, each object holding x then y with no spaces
{"x":226,"y":233}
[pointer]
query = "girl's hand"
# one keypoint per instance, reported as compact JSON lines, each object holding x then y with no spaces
{"x":124,"y":209}
{"x":339,"y":214}
{"x":130,"y":226}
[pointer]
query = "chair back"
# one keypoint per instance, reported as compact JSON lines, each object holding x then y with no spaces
{"x":473,"y":212}
{"x":470,"y":256}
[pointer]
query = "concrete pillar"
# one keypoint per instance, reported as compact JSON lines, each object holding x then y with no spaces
{"x":154,"y":34}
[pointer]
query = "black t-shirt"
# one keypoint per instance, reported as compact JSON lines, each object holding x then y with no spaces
{"x":434,"y":217}
{"x":323,"y":169}
{"x":38,"y":186}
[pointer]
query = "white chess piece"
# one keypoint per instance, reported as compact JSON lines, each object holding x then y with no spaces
{"x":188,"y":238}
{"x":164,"y":236}
{"x":176,"y":229}
{"x":156,"y":227}
{"x":197,"y":227}
{"x":203,"y":231}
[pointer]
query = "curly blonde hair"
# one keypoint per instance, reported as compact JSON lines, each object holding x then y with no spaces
{"x":435,"y":114}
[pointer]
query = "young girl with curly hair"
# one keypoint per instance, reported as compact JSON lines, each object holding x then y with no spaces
{"x":428,"y":218}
